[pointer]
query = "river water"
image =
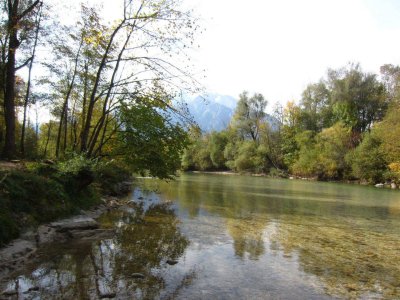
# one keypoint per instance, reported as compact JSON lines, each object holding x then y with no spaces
{"x":231,"y":237}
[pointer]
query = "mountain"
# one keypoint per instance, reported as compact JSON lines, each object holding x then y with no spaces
{"x":213,"y":112}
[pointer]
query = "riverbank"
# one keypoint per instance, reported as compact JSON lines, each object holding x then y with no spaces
{"x":84,"y":226}
{"x":35,"y":193}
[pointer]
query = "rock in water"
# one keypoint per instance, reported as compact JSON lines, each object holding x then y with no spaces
{"x":379,"y":185}
{"x":137,"y":275}
{"x":81,"y":223}
{"x":108,"y":295}
{"x":171,"y":262}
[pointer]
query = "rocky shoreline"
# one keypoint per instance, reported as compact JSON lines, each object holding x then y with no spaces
{"x":15,"y":255}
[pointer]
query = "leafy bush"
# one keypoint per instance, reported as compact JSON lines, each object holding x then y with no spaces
{"x":367,"y":160}
{"x":108,"y":175}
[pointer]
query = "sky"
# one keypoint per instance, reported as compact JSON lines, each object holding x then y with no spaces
{"x":277,"y":47}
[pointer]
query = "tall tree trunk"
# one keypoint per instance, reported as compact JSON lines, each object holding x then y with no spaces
{"x":47,"y":139}
{"x":98,"y":129}
{"x":28,"y":86}
{"x":64,"y":111}
{"x":13,"y":24}
{"x":9,"y":150}
{"x":93,"y":99}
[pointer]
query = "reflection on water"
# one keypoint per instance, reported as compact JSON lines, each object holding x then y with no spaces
{"x":133,"y":264}
{"x":232,"y":237}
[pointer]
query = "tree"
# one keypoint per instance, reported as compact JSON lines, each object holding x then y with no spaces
{"x":316,"y":112}
{"x":217,"y":144}
{"x":145,"y":26}
{"x":367,"y":160}
{"x":323,"y":155}
{"x":249,"y":115}
{"x":17,"y":12}
{"x":358,"y":99}
{"x":148,"y":140}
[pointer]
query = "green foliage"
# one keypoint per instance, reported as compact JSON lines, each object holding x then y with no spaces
{"x":24,"y":193}
{"x":357,"y":98}
{"x":389,"y":131}
{"x":109,"y":175}
{"x":218,"y":142}
{"x":76,"y":164}
{"x":149,"y":140}
{"x":249,"y":115}
{"x":316,"y":113}
{"x":305,"y":164}
{"x":44,"y":192}
{"x":367,"y":160}
{"x":246,"y":160}
{"x":323,"y":155}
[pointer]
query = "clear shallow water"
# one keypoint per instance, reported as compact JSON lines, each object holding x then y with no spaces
{"x":233,"y":237}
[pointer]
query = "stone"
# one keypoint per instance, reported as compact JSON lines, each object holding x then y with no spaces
{"x":10,"y":293}
{"x":32,"y":289}
{"x":76,"y":223}
{"x":379,"y":185}
{"x":108,"y":295}
{"x":171,"y":262}
{"x":91,"y":234}
{"x":393,"y":185}
{"x":137,"y":275}
{"x":45,"y":234}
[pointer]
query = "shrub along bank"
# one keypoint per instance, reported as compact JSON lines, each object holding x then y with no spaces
{"x":43,"y":192}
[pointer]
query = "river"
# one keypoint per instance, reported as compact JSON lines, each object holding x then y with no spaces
{"x":231,"y":237}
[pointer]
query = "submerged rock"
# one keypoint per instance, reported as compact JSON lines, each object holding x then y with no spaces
{"x":9,"y":293}
{"x":76,"y":223}
{"x":16,"y":253}
{"x":108,"y":295}
{"x":32,"y":289}
{"x":137,"y":275}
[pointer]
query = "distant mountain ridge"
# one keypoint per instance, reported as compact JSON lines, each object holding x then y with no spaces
{"x":213,"y":112}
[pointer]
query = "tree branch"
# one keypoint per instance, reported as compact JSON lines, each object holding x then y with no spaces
{"x":24,"y":64}
{"x":28,"y":10}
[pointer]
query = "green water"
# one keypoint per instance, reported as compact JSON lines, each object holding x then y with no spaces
{"x":232,"y":237}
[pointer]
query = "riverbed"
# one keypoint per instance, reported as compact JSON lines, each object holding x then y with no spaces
{"x":229,"y":237}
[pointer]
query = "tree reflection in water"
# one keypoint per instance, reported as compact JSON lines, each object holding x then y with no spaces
{"x":145,"y":239}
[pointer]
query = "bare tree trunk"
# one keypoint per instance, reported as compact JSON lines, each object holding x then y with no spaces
{"x":93,"y":99}
{"x":97,"y":131}
{"x":64,"y":111}
{"x":48,"y":139}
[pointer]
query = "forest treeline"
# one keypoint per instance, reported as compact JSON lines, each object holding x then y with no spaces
{"x":107,"y":84}
{"x":345,"y":127}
